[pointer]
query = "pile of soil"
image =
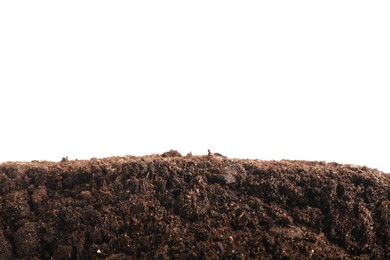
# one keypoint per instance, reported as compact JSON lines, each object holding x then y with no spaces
{"x":173,"y":206}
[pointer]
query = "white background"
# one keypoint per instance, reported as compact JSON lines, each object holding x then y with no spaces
{"x":249,"y":79}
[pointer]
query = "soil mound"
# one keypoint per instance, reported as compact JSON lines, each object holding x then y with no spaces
{"x":173,"y":206}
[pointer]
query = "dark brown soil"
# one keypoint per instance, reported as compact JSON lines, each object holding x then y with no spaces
{"x":173,"y":206}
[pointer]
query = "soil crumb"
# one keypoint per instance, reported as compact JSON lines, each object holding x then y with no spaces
{"x":171,"y":206}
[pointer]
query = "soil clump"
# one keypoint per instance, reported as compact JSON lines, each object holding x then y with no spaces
{"x":208,"y":207}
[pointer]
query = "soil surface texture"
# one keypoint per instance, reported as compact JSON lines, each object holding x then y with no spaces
{"x":192,"y":207}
